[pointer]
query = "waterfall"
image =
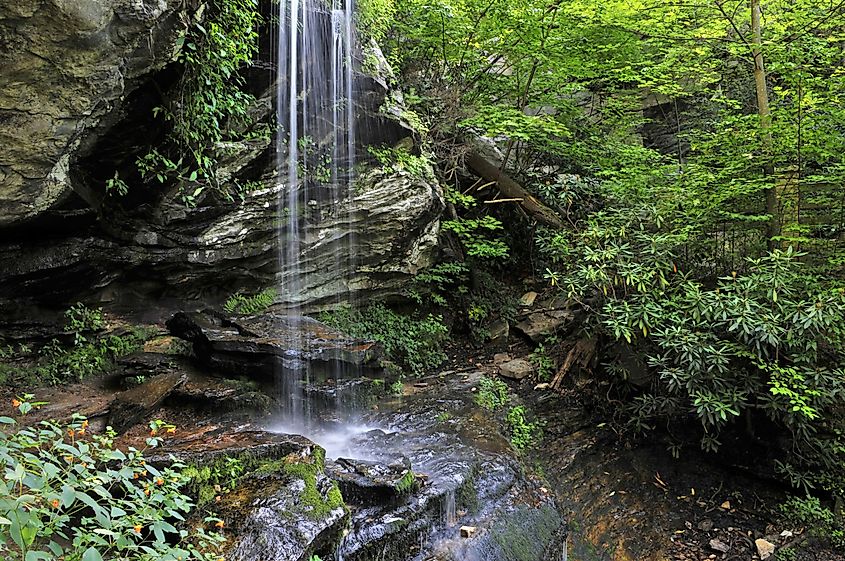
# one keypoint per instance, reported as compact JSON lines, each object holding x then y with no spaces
{"x":315,"y":161}
{"x":315,"y":144}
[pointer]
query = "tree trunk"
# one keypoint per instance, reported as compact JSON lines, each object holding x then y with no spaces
{"x":772,"y":206}
{"x":511,"y":189}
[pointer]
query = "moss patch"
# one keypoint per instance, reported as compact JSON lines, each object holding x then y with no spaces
{"x":314,"y":505}
{"x":405,"y":483}
{"x":223,"y":475}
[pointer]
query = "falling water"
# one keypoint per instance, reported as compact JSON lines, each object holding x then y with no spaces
{"x":316,"y":141}
{"x":448,"y":509}
{"x":315,"y":149}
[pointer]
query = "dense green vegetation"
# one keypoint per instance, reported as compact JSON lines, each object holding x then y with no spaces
{"x":85,"y":350}
{"x":68,"y":494}
{"x":206,"y":108}
{"x":694,"y":154}
{"x":414,"y":344}
{"x":250,"y":304}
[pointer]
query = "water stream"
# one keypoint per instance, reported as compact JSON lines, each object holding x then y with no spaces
{"x":456,"y":476}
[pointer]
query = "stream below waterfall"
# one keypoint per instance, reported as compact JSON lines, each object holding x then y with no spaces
{"x":471,"y":476}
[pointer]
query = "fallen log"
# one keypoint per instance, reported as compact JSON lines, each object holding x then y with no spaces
{"x":131,"y":406}
{"x":581,"y":354}
{"x":513,"y":190}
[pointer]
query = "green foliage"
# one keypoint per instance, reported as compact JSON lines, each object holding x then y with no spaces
{"x":474,"y":234}
{"x":524,"y":433}
{"x":668,"y":249}
{"x":414,"y":343}
{"x":819,"y":521}
{"x":374,"y":18}
{"x":80,"y":319}
{"x":436,"y":284}
{"x":210,"y":105}
{"x":89,"y":354}
{"x":492,"y":393}
{"x":397,"y":387}
{"x":400,"y":159}
{"x":249,"y":305}
{"x":545,"y":364}
{"x":57,"y":364}
{"x":71,"y":495}
{"x":406,"y":483}
{"x":219,"y":477}
{"x":116,"y":186}
{"x":766,"y":340}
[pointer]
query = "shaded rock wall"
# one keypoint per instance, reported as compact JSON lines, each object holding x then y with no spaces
{"x":66,"y":66}
{"x":78,"y":83}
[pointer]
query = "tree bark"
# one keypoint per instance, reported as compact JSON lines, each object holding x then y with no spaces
{"x":772,"y":206}
{"x":511,"y":189}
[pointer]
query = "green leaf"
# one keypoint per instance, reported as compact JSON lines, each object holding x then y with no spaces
{"x":91,"y":554}
{"x":68,"y":495}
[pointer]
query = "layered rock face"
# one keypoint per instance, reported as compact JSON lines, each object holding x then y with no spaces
{"x":66,"y":67}
{"x":78,"y":84}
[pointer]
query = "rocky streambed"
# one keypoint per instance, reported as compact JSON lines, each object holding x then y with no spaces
{"x":293,"y":441}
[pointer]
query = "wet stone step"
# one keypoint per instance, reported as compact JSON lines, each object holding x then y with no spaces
{"x":367,"y":483}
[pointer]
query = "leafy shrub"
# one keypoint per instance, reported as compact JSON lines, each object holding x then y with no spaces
{"x":80,"y":319}
{"x":439,"y":282}
{"x":374,"y":17}
{"x":211,"y":106}
{"x":765,"y":340}
{"x":524,"y":433}
{"x":475,"y":233}
{"x":400,"y":159}
{"x":820,"y":522}
{"x":70,"y":495}
{"x":545,"y":364}
{"x":412,"y":342}
{"x":492,"y":393}
{"x":248,"y":305}
{"x":57,"y":364}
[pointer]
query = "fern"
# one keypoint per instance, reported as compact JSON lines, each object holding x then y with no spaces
{"x":249,"y":305}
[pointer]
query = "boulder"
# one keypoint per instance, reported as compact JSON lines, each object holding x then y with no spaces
{"x":67,"y":69}
{"x":131,"y":406}
{"x":540,"y":325}
{"x":498,"y":331}
{"x":516,"y":369}
{"x":355,"y":244}
{"x":765,"y":548}
{"x":500,"y":358}
{"x":370,"y":483}
{"x":527,"y":299}
{"x":368,"y":245}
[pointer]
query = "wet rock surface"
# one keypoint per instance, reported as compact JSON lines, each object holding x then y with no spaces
{"x":67,"y":67}
{"x":62,"y":237}
{"x":131,"y":406}
{"x":401,"y":481}
{"x":368,"y":483}
{"x":465,"y":474}
{"x":261,"y":346}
